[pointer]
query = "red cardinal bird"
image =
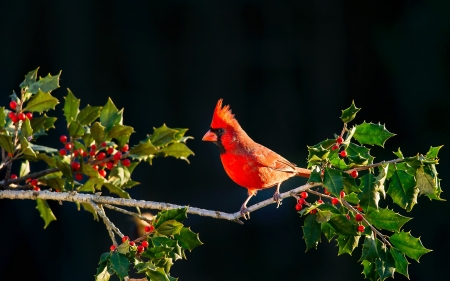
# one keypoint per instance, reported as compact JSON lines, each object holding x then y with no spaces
{"x":246,"y":162}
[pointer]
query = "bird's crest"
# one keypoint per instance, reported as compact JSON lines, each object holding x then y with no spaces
{"x":222,"y":116}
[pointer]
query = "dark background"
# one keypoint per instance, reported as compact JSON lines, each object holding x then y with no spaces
{"x":287,"y":68}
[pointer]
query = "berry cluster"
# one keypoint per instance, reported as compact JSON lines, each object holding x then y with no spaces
{"x":101,"y":158}
{"x":140,"y":248}
{"x":16,"y":115}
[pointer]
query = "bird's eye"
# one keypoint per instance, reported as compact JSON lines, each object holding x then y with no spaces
{"x":220,"y":131}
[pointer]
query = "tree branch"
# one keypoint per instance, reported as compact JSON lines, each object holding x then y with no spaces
{"x":94,"y":198}
{"x":109,"y":225}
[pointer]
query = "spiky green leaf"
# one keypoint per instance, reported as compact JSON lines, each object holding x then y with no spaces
{"x":347,"y":244}
{"x":41,"y":102}
{"x":350,"y":113}
{"x":332,"y":180}
{"x":407,"y":244}
{"x":188,"y":239}
{"x":311,"y":232}
{"x":120,"y":264}
{"x":387,"y":219}
{"x":45,"y":211}
{"x":88,"y":114}
{"x":369,"y":133}
{"x":403,"y":190}
{"x":71,"y":107}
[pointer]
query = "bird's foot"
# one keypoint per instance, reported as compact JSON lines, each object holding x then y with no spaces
{"x":244,"y":212}
{"x":277,"y":198}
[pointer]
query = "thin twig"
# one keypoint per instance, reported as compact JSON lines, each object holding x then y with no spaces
{"x":350,"y":207}
{"x":367,"y":167}
{"x":127,"y":212}
{"x":30,"y":176}
{"x":109,"y":225}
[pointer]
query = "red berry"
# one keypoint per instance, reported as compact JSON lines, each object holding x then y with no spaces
{"x":347,"y":216}
{"x":326,"y":191}
{"x":313,"y":211}
{"x":117,"y":156}
{"x":102,"y":164}
{"x":304,"y":194}
{"x":93,"y":147}
{"x":126,"y":162}
{"x":75,"y":153}
{"x":359,"y":208}
{"x":78,"y":177}
{"x":298,"y":207}
{"x":102,"y":173}
{"x":354,"y":174}
{"x":84,"y":154}
{"x":13,"y":105}
{"x":358,"y":217}
{"x":335,"y":147}
{"x":63,"y":139}
{"x":112,"y":248}
{"x":339,"y":140}
{"x":301,"y":201}
{"x":342,"y":194}
{"x":62,"y":152}
{"x":125,"y":238}
{"x":69,"y":146}
{"x":149,"y":228}
{"x":34,"y":182}
{"x":101,"y":156}
{"x":132,"y":243}
{"x":145,"y":244}
{"x":343,"y":153}
{"x":36,"y":188}
{"x":92,"y":152}
{"x":140,"y":249}
{"x":125,"y":148}
{"x":320,"y":201}
{"x":13,"y":117}
{"x":13,"y":176}
{"x":334,"y":201}
{"x":75,"y":166}
{"x":21,"y":116}
{"x":361,"y":228}
{"x":109,"y":165}
{"x":29,"y":115}
{"x":104,"y":144}
{"x":95,"y":167}
{"x":110,"y":150}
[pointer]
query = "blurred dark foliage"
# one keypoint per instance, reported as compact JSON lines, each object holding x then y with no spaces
{"x":287,"y":68}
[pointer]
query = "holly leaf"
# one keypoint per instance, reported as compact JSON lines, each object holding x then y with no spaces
{"x":119,"y":131}
{"x":369,"y":196}
{"x":403,"y":190}
{"x":110,"y":115}
{"x":163,"y":135}
{"x":45,"y":211}
{"x":173,"y":214}
{"x":328,"y":231}
{"x":2,"y":117}
{"x":342,"y":225}
{"x":407,"y":244}
{"x":71,"y":107}
{"x":349,"y":184}
{"x":371,"y":249}
{"x":88,"y":170}
{"x":90,"y":209}
{"x":102,"y":273}
{"x":399,"y":153}
{"x":323,"y":216}
{"x":91,"y":185}
{"x":428,"y":183}
{"x":433,"y":152}
{"x":30,"y":78}
{"x":54,"y":180}
{"x":25,"y":147}
{"x":178,"y":150}
{"x":143,"y":150}
{"x":170,"y":227}
{"x":24,"y":168}
{"x":317,"y":153}
{"x":42,"y":123}
{"x":76,"y":130}
{"x":352,"y":198}
{"x":41,"y":102}
{"x":385,"y":265}
{"x":347,"y":244}
{"x":316,"y":175}
{"x":332,"y":180}
{"x":387,"y":219}
{"x":117,"y":190}
{"x":350,"y":113}
{"x":120,"y":264}
{"x":45,"y":149}
{"x":6,"y":143}
{"x":88,"y":114}
{"x":401,"y":263}
{"x":369,"y":270}
{"x":157,"y":274}
{"x":26,"y":131}
{"x":369,"y":133}
{"x":46,"y":84}
{"x":188,"y":239}
{"x":311,"y":232}
{"x":98,"y":132}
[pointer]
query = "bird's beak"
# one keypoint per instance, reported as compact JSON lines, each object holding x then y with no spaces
{"x":209,"y":136}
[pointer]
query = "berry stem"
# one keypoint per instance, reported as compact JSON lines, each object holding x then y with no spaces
{"x":127,"y":212}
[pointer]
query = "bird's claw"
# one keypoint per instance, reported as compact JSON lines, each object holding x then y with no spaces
{"x":244,"y":212}
{"x":277,"y":198}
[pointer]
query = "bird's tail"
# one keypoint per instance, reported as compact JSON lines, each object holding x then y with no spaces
{"x":302,"y":172}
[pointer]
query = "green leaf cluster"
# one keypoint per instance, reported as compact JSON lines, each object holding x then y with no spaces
{"x":404,"y":179}
{"x":167,"y":244}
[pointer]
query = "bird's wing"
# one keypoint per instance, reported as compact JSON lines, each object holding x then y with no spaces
{"x":272,"y":160}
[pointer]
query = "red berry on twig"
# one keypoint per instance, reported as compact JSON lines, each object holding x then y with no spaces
{"x":78,"y":177}
{"x":126,"y":162}
{"x":132,"y":243}
{"x":320,"y":201}
{"x":117,"y":156}
{"x":145,"y":244}
{"x":62,"y":152}
{"x":354,"y":174}
{"x":102,"y":173}
{"x":339,"y":140}
{"x":326,"y":191}
{"x":343,"y":153}
{"x":149,"y":228}
{"x":101,"y":156}
{"x":125,"y":148}
{"x":13,"y":105}
{"x":298,"y":207}
{"x":335,"y":147}
{"x":334,"y":201}
{"x":63,"y":139}
{"x":301,"y":201}
{"x":342,"y":194}
{"x":13,"y":176}
{"x":140,"y":249}
{"x":304,"y":194}
{"x":75,"y":166}
{"x":112,"y":248}
{"x":361,"y":228}
{"x":109,"y":165}
{"x":358,"y":217}
{"x":110,"y":150}
{"x":313,"y":211}
{"x":104,"y":144}
{"x":125,"y":238}
{"x":29,"y":115}
{"x":36,"y":188}
{"x":21,"y":116}
{"x":34,"y":182}
{"x":68,"y":146}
